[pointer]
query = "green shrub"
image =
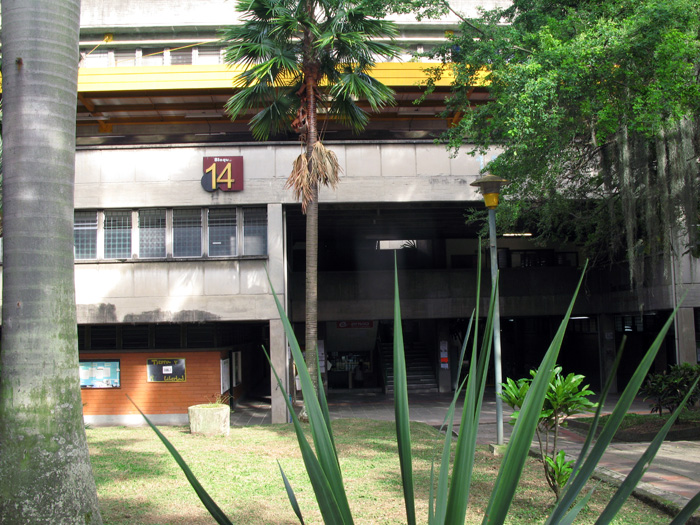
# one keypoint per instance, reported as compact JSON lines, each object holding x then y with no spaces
{"x":565,"y":397}
{"x":667,"y":389}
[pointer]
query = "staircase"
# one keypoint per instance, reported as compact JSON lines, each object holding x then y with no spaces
{"x":420,"y":372}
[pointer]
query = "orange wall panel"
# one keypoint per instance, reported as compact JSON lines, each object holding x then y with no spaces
{"x":202,"y":384}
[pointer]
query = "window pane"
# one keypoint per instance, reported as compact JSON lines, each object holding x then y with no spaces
{"x":187,"y":233}
{"x":151,"y":233}
{"x":222,"y":231}
{"x":117,"y":234}
{"x":181,"y":57}
{"x":152,"y":57}
{"x":255,"y":231}
{"x":85,"y":234}
{"x":125,"y":58}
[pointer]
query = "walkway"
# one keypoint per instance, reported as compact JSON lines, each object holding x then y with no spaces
{"x":673,"y":477}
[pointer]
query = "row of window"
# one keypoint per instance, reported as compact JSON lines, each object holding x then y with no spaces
{"x":152,"y":57}
{"x":158,"y":233}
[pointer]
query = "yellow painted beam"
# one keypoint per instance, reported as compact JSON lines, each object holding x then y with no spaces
{"x":191,"y":77}
{"x":169,"y":78}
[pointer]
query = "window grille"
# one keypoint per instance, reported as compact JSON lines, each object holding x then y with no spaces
{"x":85,"y":234}
{"x":167,"y":336}
{"x":135,"y":337}
{"x":201,"y":336}
{"x":103,"y":337}
{"x":181,"y":57}
{"x":222,"y":232}
{"x":187,"y":233}
{"x":255,"y":231}
{"x":117,"y":234}
{"x":152,"y":233}
{"x":208,"y":55}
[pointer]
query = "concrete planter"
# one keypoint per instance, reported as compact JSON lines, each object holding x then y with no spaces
{"x":210,"y":420}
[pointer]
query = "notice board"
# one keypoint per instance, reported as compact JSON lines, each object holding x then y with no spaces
{"x":166,"y":370}
{"x":103,"y":373}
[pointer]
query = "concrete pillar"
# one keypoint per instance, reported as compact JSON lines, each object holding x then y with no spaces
{"x":606,"y":349}
{"x":278,"y":356}
{"x":278,"y":340}
{"x":686,"y":349}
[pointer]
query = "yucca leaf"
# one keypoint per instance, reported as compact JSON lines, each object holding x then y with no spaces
{"x":458,"y":498}
{"x":325,"y":496}
{"x":576,"y":484}
{"x":438,"y":511}
{"x":687,"y":512}
{"x":203,"y":495}
{"x":403,"y":429}
{"x":612,"y":373}
{"x":570,"y":516}
{"x":525,"y":425}
{"x":325,"y":449}
{"x":627,"y":486}
{"x":290,"y":494}
{"x":323,"y":402}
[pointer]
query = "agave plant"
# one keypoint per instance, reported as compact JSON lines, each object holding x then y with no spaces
{"x":449,"y":495}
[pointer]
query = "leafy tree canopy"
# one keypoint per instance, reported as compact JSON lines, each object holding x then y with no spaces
{"x":596,"y":104}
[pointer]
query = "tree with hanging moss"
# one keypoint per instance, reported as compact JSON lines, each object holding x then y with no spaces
{"x":597,"y":107}
{"x":303,"y":58}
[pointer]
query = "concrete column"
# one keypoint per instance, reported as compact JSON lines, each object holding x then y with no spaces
{"x":686,"y":349}
{"x":606,"y":349}
{"x":278,"y":355}
{"x":278,"y":340}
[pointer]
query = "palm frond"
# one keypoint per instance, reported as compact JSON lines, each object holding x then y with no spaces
{"x":325,"y":170}
{"x":346,"y":45}
{"x":348,"y":113}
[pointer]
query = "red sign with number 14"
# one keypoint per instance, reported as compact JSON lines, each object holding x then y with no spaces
{"x":223,"y":173}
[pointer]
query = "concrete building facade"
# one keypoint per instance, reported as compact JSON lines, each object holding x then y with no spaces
{"x":174,"y":281}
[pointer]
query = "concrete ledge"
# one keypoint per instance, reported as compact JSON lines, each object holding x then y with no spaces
{"x":667,"y":501}
{"x":135,"y":420}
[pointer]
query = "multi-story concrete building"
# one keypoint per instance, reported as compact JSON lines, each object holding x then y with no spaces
{"x":174,"y":281}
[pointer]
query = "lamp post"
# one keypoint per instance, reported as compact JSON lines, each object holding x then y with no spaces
{"x":490,"y":187}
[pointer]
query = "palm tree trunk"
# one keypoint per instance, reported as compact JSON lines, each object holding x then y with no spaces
{"x":311,"y":314}
{"x":311,"y":297}
{"x":45,"y":473}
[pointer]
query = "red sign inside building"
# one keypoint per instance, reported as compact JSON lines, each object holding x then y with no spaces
{"x":355,"y":324}
{"x":223,"y":173}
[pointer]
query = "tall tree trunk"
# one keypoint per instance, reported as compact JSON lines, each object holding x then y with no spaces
{"x":45,"y":473}
{"x":311,"y":302}
{"x":311,"y":296}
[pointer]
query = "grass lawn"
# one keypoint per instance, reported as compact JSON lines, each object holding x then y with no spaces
{"x":138,"y":482}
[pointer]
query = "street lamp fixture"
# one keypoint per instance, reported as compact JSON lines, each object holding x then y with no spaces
{"x":490,"y":187}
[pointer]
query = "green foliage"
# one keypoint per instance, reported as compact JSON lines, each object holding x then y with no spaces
{"x":668,"y":388}
{"x":597,"y":108}
{"x":565,"y":397}
{"x":286,"y":43}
